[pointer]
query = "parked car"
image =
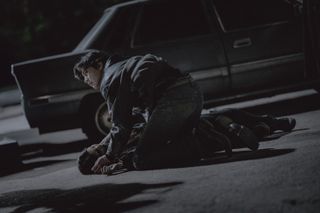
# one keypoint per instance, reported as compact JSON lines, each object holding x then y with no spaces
{"x":232,"y":48}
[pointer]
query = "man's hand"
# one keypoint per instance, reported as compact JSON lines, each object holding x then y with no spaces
{"x":100,"y":162}
{"x":114,"y":168}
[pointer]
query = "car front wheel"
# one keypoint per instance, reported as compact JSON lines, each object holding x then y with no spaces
{"x":95,"y":118}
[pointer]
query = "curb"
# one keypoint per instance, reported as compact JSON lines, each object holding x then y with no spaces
{"x":10,"y":111}
{"x":10,"y":96}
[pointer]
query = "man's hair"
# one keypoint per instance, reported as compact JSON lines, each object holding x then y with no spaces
{"x":86,"y":162}
{"x":91,"y":59}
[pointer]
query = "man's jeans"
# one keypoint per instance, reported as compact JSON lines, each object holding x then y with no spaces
{"x":167,"y":136}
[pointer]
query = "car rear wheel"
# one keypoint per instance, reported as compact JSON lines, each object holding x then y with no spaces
{"x":102,"y":119}
{"x":95,"y":118}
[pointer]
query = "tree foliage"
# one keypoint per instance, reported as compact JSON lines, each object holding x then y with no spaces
{"x":36,"y":28}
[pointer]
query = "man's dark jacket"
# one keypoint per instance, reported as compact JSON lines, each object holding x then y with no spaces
{"x":132,"y":87}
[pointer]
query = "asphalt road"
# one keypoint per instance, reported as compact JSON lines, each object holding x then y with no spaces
{"x":282,"y":176}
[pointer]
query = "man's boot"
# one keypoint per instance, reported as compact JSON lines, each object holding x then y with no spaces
{"x":261,"y":130}
{"x":210,"y":140}
{"x":238,"y":132}
{"x":283,"y":124}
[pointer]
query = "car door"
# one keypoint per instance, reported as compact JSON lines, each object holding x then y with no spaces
{"x":263,"y":42}
{"x":183,"y":33}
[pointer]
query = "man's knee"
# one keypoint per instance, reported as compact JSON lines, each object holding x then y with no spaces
{"x":139,"y":162}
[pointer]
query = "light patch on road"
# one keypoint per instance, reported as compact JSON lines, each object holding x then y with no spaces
{"x":13,"y":124}
{"x":268,"y":100}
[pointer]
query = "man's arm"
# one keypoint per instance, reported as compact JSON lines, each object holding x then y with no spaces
{"x":119,"y":133}
{"x":105,"y":141}
{"x":122,"y":119}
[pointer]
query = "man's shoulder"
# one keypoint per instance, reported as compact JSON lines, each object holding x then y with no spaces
{"x":148,"y":56}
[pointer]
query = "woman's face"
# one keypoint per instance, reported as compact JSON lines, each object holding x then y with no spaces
{"x":93,"y":76}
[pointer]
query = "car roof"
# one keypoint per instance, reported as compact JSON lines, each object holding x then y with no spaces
{"x":125,"y":4}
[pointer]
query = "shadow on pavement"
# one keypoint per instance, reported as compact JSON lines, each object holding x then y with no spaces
{"x":278,"y":135}
{"x":221,"y":157}
{"x":41,"y":150}
{"x":15,"y":168}
{"x":244,"y":155}
{"x":96,"y":198}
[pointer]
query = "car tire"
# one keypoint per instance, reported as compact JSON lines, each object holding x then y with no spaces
{"x":95,"y":121}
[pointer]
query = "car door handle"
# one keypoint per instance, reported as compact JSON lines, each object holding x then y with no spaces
{"x":244,"y":42}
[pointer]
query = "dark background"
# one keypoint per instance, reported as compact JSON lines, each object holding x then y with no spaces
{"x":35,"y":28}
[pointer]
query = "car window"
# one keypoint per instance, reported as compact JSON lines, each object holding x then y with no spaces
{"x":170,"y":20}
{"x":235,"y":14}
{"x":94,"y":30}
{"x":117,"y":34}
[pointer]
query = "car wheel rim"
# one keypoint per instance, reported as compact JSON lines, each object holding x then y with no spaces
{"x":102,"y":119}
